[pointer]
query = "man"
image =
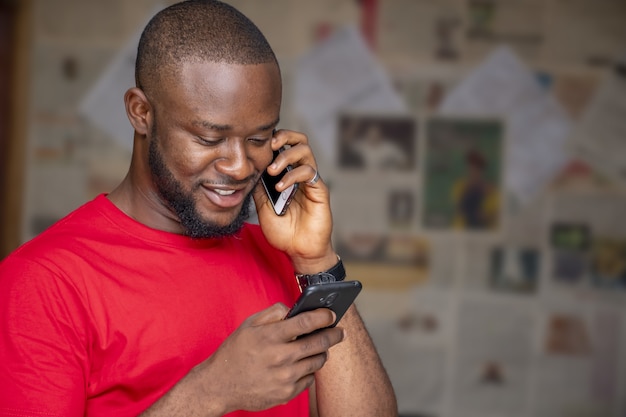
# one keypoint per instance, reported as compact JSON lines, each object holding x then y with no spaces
{"x":157,"y":298}
{"x":474,"y":196}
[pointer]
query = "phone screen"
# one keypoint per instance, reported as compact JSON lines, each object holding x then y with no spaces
{"x":280,"y":200}
{"x":271,"y":181}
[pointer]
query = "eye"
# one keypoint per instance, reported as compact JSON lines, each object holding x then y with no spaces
{"x":209,"y":141}
{"x":260,"y":141}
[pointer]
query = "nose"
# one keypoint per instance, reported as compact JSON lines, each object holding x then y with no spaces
{"x":235,"y":161}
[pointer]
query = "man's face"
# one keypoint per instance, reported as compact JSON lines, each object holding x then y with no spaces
{"x":210,"y":142}
{"x":475,"y":172}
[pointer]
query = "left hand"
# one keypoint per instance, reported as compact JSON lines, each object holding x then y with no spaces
{"x":304,"y":231}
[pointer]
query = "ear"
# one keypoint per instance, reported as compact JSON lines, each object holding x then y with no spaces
{"x":138,"y":110}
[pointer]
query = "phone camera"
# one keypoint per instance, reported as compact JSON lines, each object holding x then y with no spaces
{"x":329,"y":299}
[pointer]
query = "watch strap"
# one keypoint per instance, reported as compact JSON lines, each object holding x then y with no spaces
{"x":334,"y":274}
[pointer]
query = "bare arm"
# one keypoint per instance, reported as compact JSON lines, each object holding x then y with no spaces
{"x":353,"y":381}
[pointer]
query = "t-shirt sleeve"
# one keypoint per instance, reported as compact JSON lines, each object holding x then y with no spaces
{"x":42,"y":342}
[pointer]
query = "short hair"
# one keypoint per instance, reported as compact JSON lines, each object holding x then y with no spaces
{"x":197,"y":31}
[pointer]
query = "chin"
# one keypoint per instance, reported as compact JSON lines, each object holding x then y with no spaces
{"x":215,"y":225}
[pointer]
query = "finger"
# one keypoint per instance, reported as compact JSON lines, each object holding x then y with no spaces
{"x":300,"y":385}
{"x":307,"y":322}
{"x":296,"y":156}
{"x":312,"y":345}
{"x":312,"y":182}
{"x":312,"y":364}
{"x":305,"y":382}
{"x":284,"y":137}
{"x":271,"y":314}
{"x":301,"y":375}
{"x":303,"y":174}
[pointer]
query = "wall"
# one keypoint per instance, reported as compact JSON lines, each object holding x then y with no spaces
{"x":513,"y":311}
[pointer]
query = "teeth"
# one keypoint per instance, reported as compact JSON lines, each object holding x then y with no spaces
{"x":224,"y":192}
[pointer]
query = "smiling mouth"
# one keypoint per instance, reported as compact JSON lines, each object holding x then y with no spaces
{"x":225,"y":198}
{"x":224,"y":192}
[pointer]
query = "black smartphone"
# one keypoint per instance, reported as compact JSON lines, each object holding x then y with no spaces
{"x":280,"y":200}
{"x":337,"y":296}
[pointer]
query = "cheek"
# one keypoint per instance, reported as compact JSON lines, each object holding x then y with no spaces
{"x":261,"y":157}
{"x":193,"y":161}
{"x":183,"y":163}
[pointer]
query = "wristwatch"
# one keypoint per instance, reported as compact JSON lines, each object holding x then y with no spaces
{"x":334,"y":274}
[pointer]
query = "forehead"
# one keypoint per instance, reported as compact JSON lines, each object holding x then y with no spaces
{"x":222,"y":92}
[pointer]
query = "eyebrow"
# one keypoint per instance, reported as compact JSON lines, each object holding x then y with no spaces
{"x":222,"y":128}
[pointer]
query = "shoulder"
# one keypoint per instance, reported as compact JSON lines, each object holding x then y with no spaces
{"x":80,"y":221}
{"x":61,"y":243}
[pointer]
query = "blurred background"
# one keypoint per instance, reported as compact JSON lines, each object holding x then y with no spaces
{"x":476,"y":153}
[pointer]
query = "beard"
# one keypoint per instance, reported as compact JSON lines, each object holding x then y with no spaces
{"x":183,"y":203}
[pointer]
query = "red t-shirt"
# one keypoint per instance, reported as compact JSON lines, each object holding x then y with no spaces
{"x":101,"y":315}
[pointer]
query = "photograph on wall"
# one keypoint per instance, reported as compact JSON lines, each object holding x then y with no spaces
{"x":383,"y":249}
{"x":608,"y":263}
{"x":463,"y":174}
{"x":569,"y":267}
{"x":567,"y":334}
{"x":514,"y":269}
{"x":570,"y":236}
{"x":570,"y":243}
{"x":587,"y":246}
{"x":576,"y":372}
{"x":385,"y":261}
{"x":401,"y":209}
{"x":377,"y":143}
{"x":519,"y":23}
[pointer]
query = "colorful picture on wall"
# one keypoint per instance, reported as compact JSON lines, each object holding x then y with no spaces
{"x":608,"y":263}
{"x":463,"y":165}
{"x":514,"y":269}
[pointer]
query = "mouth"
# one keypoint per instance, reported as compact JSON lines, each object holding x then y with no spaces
{"x":224,"y":197}
{"x":225,"y":192}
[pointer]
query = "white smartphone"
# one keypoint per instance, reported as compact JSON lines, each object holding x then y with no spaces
{"x":280,"y":200}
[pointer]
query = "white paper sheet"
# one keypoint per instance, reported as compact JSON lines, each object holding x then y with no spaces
{"x":577,"y":367}
{"x":493,"y":357}
{"x":537,"y":127}
{"x":600,"y":137}
{"x":341,"y":74}
{"x":411,"y":339}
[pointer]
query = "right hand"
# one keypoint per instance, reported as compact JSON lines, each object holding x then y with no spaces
{"x":262,"y":364}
